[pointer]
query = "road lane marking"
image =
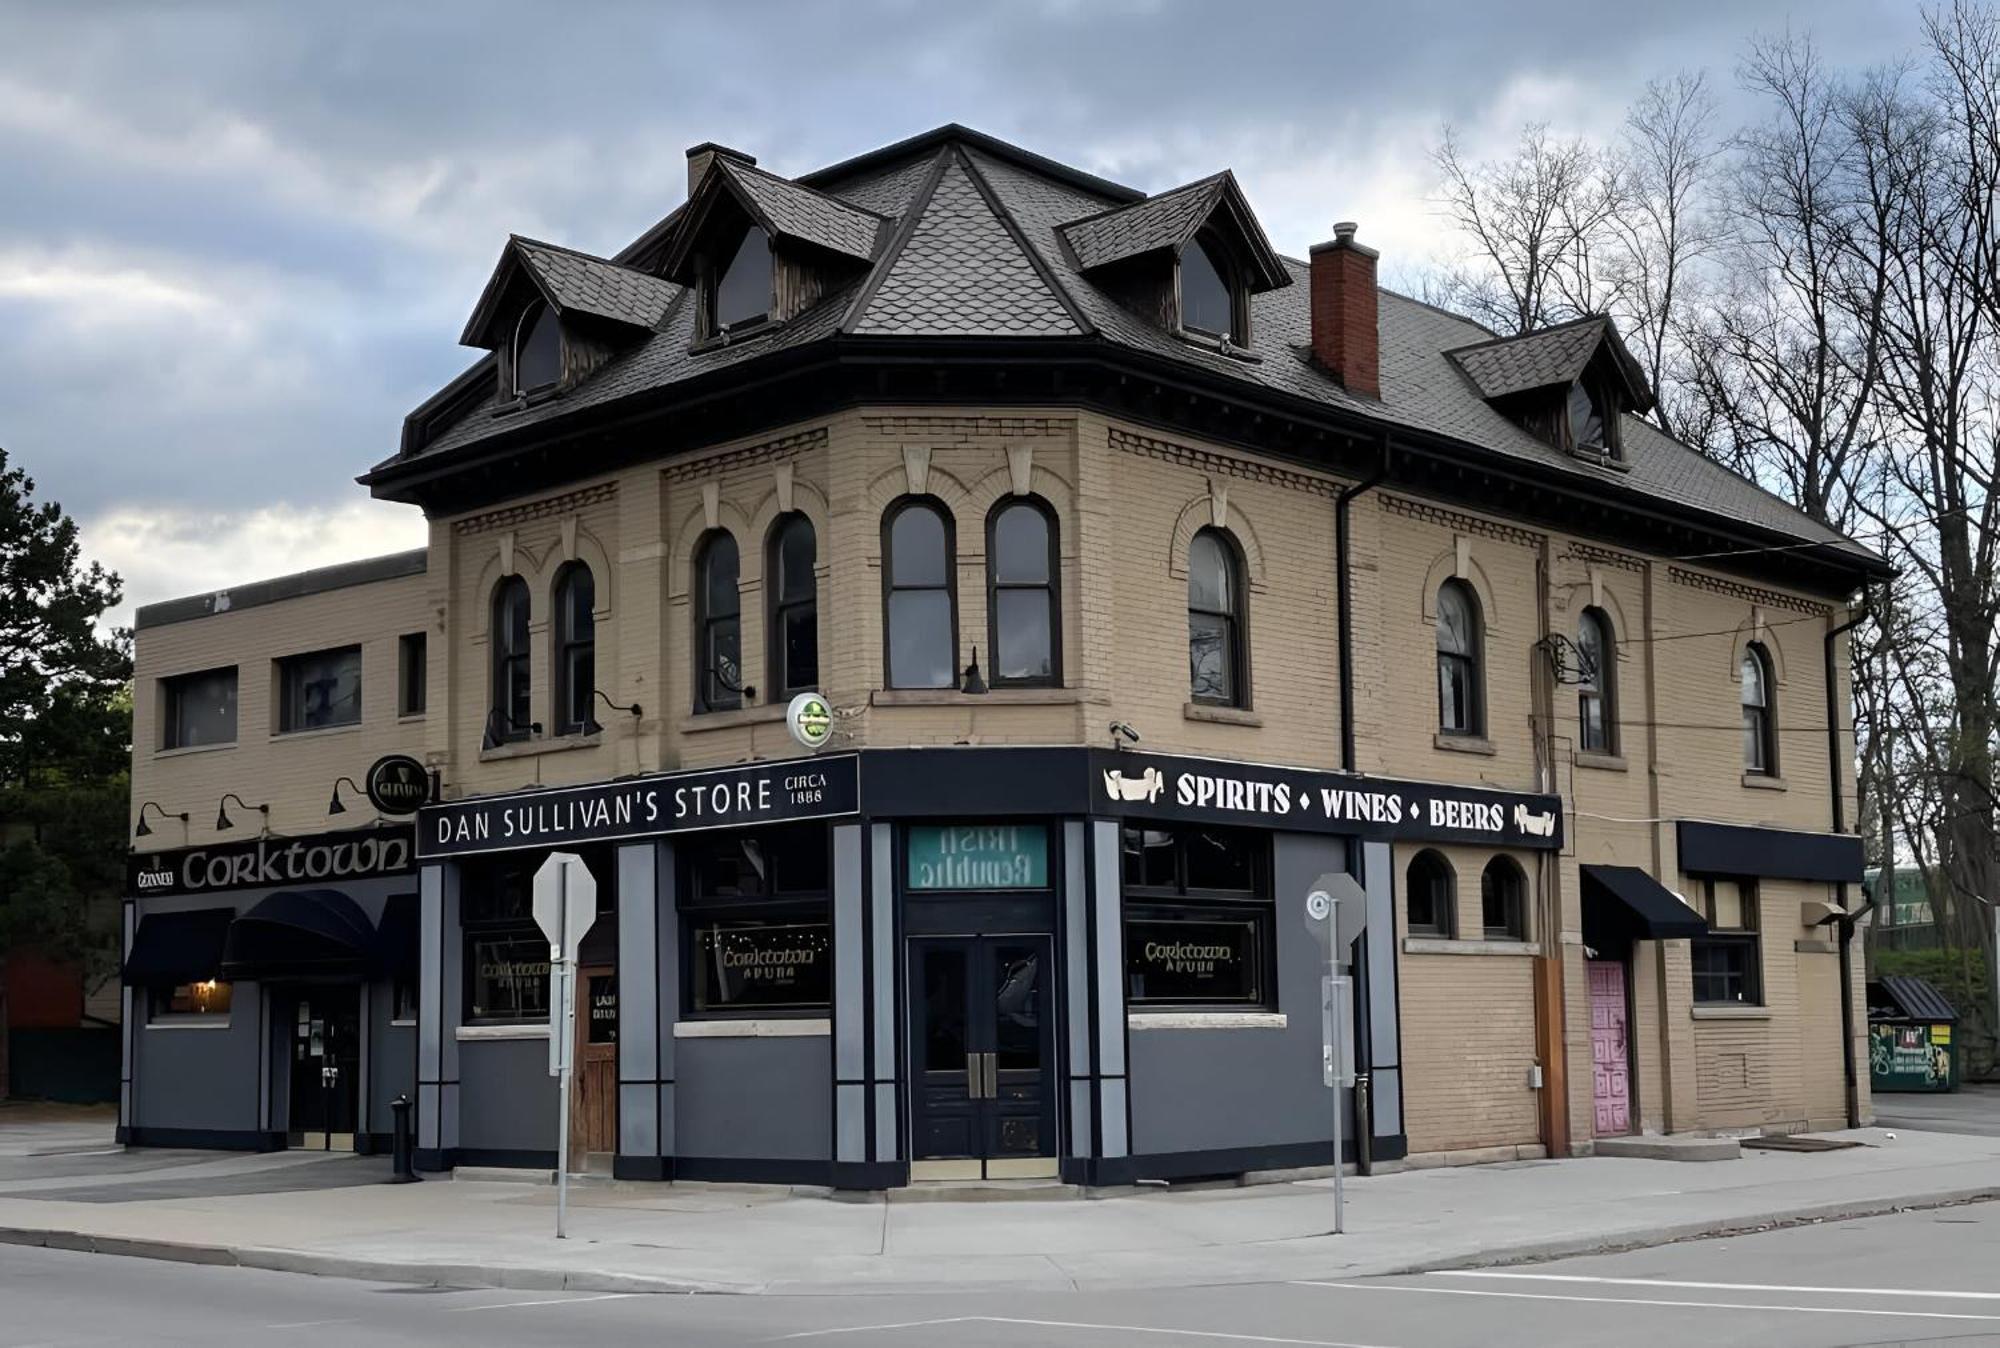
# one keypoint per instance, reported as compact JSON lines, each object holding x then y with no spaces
{"x":1651,"y":1301}
{"x":1723,"y":1286}
{"x":1072,"y":1324}
{"x":309,"y":1324}
{"x":552,"y":1301}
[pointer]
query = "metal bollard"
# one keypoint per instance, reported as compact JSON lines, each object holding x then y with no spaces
{"x":1364,"y":1127}
{"x":405,"y":1171}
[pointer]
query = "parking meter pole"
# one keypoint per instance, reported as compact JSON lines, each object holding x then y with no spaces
{"x":565,"y":986}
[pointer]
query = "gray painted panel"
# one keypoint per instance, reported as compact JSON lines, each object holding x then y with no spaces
{"x":202,"y":1076}
{"x":754,"y":1097}
{"x":638,"y":1007}
{"x":1378,"y":877}
{"x":430,"y":989}
{"x":1385,"y":1086}
{"x":1076,"y":973}
{"x":1108,"y":911}
{"x":638,"y":1120}
{"x":392,"y":1059}
{"x":451,"y":976}
{"x":667,"y":1147}
{"x":506,"y":1097}
{"x":885,"y":1122}
{"x":1113,"y":1091}
{"x":448,"y":1116}
{"x":666,"y":878}
{"x":1079,"y":1118}
{"x":851,"y":1128}
{"x":882,"y":920}
{"x":850,"y":994}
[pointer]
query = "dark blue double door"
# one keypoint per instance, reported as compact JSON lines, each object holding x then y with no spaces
{"x":982,"y":1055}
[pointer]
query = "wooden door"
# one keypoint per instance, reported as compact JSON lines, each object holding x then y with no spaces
{"x":1610,"y":1048}
{"x":593,"y":1116}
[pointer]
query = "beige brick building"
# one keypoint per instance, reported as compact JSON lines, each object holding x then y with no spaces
{"x":1157,"y":575}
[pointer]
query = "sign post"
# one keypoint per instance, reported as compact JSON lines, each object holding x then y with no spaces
{"x":565,"y":906}
{"x":1336,"y":912}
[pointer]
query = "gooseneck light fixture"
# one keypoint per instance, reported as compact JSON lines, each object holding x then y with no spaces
{"x":336,"y":805}
{"x":592,"y":727}
{"x":974,"y":683}
{"x":222,"y":820}
{"x":145,"y":830}
{"x":498,"y":718}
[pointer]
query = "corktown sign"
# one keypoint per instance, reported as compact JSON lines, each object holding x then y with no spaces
{"x":270,"y":863}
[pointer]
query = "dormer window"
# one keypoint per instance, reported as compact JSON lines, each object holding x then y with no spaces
{"x":1568,"y":386}
{"x":1591,"y":431}
{"x":740,"y":293}
{"x":537,"y":349}
{"x":1208,"y":292}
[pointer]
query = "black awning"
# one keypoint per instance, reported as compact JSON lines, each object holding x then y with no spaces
{"x":1622,"y":904}
{"x":172,"y":948}
{"x":399,"y":937}
{"x":297,"y":933}
{"x":1776,"y":853}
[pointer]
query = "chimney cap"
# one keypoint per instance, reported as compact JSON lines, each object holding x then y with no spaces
{"x":1343,"y":230}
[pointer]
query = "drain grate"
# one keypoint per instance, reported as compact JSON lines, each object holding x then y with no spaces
{"x":1793,"y":1142}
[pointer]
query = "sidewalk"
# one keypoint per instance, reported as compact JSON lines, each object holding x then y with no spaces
{"x":326,"y":1215}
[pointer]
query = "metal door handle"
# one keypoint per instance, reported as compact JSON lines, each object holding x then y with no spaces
{"x":982,"y":1077}
{"x":991,"y":1062}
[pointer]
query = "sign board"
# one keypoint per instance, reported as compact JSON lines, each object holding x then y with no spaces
{"x":1336,"y":909}
{"x":1904,"y":1056}
{"x":977,"y":856}
{"x":565,"y":903}
{"x":641,"y":807}
{"x":603,"y":1028}
{"x":272,"y":863}
{"x":397,"y":784}
{"x":810,"y":720}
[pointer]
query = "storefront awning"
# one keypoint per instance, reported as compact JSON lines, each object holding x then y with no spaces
{"x":397,"y":939}
{"x":298,"y":933}
{"x":1622,"y":904}
{"x":172,"y":948}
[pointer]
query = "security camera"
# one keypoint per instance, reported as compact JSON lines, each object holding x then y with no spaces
{"x":1120,"y":729}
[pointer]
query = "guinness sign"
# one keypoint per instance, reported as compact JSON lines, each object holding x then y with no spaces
{"x":397,"y":784}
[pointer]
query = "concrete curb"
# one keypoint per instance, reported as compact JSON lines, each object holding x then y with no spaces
{"x":531,"y":1278}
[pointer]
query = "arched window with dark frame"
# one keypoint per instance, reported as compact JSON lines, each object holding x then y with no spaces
{"x":537,"y":349}
{"x":718,"y":624}
{"x":575,"y":648}
{"x":1503,"y":900}
{"x":1460,"y":707}
{"x":511,"y":714}
{"x":1023,"y":589}
{"x":1597,"y":683}
{"x":1208,"y":291}
{"x":1216,"y":666}
{"x":791,"y":585}
{"x":1760,"y":750}
{"x":1430,"y":896}
{"x":920,"y":597}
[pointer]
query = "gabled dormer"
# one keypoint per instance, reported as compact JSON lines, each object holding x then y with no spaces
{"x":1568,"y":385}
{"x":758,"y":249}
{"x":1188,"y":259}
{"x":553,"y":315}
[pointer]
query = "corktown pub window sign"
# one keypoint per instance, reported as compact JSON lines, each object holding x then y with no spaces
{"x":351,"y":854}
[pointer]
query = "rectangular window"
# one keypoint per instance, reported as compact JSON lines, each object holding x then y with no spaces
{"x":509,"y":976}
{"x":319,"y":690}
{"x":756,"y":916}
{"x":190,"y":1001}
{"x":412,"y":667}
{"x":1728,"y":962}
{"x":1198,"y":918}
{"x":199,"y":709}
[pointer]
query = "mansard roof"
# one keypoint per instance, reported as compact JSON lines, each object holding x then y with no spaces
{"x":574,"y":283}
{"x":1555,"y":355}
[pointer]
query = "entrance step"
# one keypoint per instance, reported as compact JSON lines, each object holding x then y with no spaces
{"x":986,"y":1191}
{"x":1670,"y":1147}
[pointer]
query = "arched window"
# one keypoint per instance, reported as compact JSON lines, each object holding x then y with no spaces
{"x":1460,"y":710}
{"x":741,"y":293}
{"x":1215,"y":621}
{"x":511,"y":713}
{"x":920,"y":601}
{"x":1208,"y":296}
{"x":1430,"y":896}
{"x":1503,"y":900}
{"x":1022,"y":584}
{"x":576,"y":649}
{"x":1597,"y":689}
{"x":718,"y":625}
{"x":791,"y":583}
{"x":1759,"y":744}
{"x":537,"y":349}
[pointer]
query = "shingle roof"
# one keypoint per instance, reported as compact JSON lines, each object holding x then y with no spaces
{"x":1166,"y":222}
{"x":580,"y":283}
{"x":987,"y":255}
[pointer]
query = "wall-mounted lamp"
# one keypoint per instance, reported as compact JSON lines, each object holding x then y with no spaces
{"x":222,"y":820}
{"x":497,"y":718}
{"x":591,"y":726}
{"x":336,"y":805}
{"x":974,"y":683}
{"x":145,"y":830}
{"x":1122,"y":734}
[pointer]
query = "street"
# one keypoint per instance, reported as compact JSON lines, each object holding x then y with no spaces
{"x":1912,"y":1277}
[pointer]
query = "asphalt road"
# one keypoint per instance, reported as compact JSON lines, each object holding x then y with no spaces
{"x":1914,"y":1277}
{"x":1969,"y":1109}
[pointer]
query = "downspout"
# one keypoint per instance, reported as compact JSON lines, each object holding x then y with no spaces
{"x":1845,"y":923}
{"x":1343,"y":566}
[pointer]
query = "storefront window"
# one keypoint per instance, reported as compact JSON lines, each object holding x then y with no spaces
{"x":506,"y":953}
{"x":207,"y":1000}
{"x":756,"y":921}
{"x":509,"y":977}
{"x":1198,"y":928}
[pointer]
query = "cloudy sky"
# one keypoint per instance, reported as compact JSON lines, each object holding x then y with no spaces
{"x":238,"y":242}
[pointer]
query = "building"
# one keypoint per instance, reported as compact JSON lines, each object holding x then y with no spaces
{"x":1153,"y":580}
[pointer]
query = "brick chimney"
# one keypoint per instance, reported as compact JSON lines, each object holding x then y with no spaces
{"x":703,"y":154}
{"x":1346,"y":336}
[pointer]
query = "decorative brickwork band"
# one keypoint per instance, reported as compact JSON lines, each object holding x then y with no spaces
{"x":1754,"y":594}
{"x":1453,"y":520}
{"x":510,"y":516}
{"x":1208,"y":461}
{"x":1589,"y":552}
{"x":771,"y":451}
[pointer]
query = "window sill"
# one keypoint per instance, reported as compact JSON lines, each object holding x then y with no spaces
{"x":1202,"y":711}
{"x":952,"y":697}
{"x":1600,"y":459}
{"x":742,"y":332}
{"x":1216,"y":344}
{"x":185,"y":750}
{"x":524,"y":1030}
{"x":1205,"y":1020}
{"x":801,"y":1028}
{"x":1599,"y":762}
{"x":188,"y":1023}
{"x":532,"y":748}
{"x":1764,"y":781}
{"x":763,"y":713}
{"x":1464,"y":744}
{"x":316,"y":732}
{"x":1447,"y":945}
{"x":410,"y":718}
{"x":1728,"y":1011}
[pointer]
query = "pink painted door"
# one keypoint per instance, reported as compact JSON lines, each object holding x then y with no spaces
{"x":1610,"y":1062}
